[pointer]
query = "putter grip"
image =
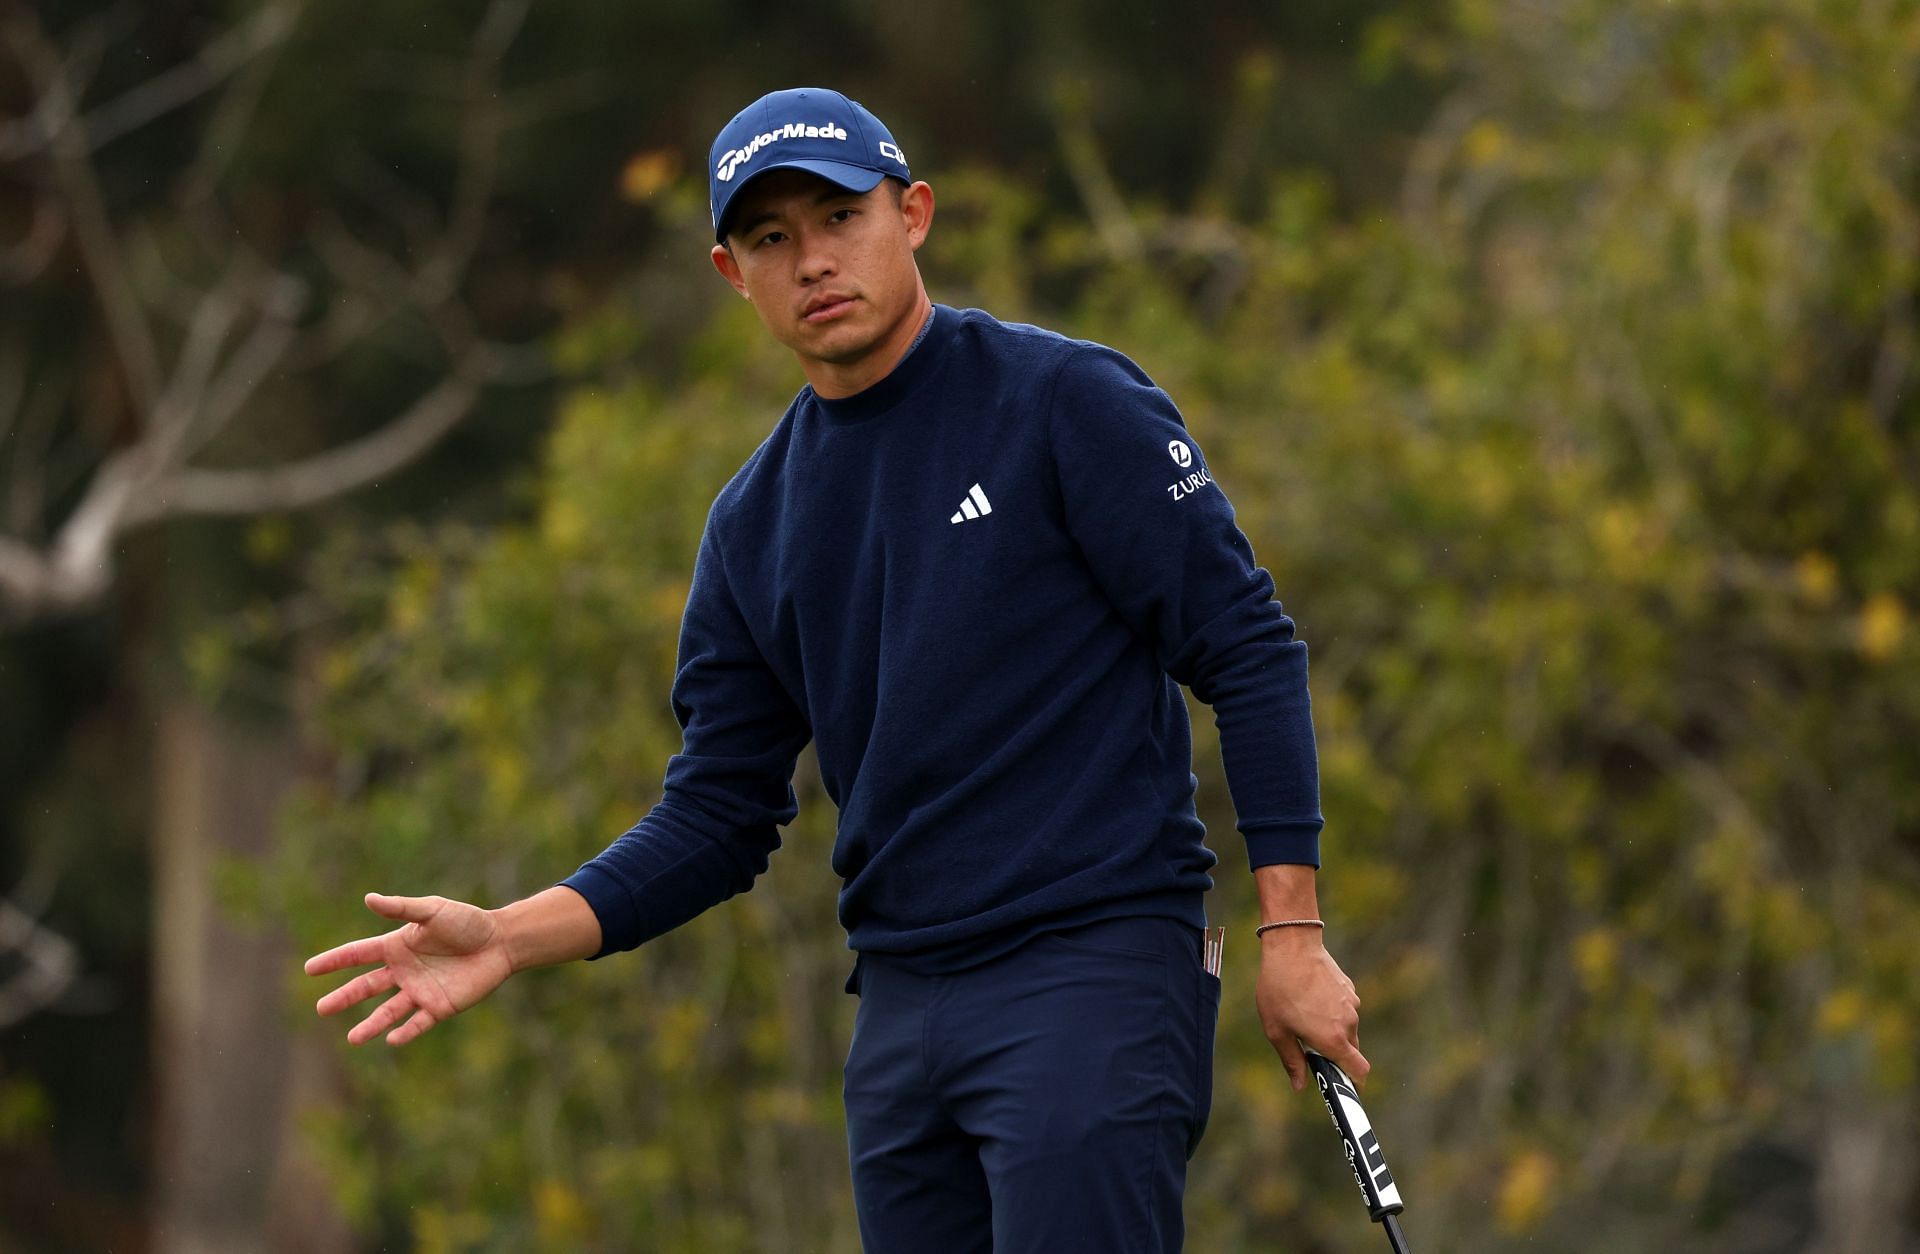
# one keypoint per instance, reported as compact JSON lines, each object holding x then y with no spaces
{"x":1364,"y":1154}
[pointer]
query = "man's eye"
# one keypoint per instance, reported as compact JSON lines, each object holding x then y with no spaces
{"x":771,"y":237}
{"x":841,"y":215}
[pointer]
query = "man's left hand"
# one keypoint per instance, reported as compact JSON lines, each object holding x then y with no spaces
{"x":1304,"y":996}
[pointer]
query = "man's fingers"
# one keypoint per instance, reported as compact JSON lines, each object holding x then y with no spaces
{"x":355,"y":990}
{"x":1345,"y":1053}
{"x":411,"y":909}
{"x":421,"y":1021}
{"x":1294,"y":1059}
{"x":352,"y":954}
{"x":389,"y":1012}
{"x":367,"y":949}
{"x":1353,"y":1062}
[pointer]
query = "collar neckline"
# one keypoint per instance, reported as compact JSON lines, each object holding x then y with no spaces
{"x":884,"y":393}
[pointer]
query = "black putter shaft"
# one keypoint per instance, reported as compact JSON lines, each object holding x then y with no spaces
{"x":1364,"y":1154}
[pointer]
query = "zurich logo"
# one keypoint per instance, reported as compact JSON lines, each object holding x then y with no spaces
{"x":1182,"y":455}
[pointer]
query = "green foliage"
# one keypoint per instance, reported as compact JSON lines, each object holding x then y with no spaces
{"x":503,"y":716}
{"x":1591,"y":478}
{"x":23,"y":1110}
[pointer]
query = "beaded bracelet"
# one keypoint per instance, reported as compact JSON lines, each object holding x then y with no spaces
{"x":1289,"y":923}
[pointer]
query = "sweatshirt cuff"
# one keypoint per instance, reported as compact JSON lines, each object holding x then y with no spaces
{"x":612,"y":905}
{"x":1287,"y":842}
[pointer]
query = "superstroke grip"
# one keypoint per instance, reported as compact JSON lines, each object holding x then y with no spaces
{"x":1364,"y":1154}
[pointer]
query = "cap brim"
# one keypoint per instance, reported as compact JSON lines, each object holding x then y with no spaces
{"x":855,"y":178}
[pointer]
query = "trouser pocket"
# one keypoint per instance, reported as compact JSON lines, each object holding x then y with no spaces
{"x":1207,"y":1022}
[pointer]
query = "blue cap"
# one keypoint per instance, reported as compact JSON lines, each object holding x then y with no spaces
{"x":803,"y":128}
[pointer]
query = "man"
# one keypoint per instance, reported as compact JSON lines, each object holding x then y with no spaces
{"x":973,"y":562}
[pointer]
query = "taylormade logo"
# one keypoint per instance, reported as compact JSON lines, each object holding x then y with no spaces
{"x":738,"y":157}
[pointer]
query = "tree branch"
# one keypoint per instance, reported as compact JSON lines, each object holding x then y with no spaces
{"x":1427,"y":163}
{"x":68,"y":146}
{"x":298,"y":484}
{"x":280,"y":299}
{"x":50,"y":965}
{"x":137,"y":488}
{"x":30,"y":481}
{"x":245,"y":328}
{"x":161,"y":94}
{"x":481,"y":124}
{"x":224,"y":137}
{"x":1112,"y":221}
{"x":22,"y":262}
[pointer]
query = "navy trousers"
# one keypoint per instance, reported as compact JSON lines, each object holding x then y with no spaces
{"x":1045,"y":1100}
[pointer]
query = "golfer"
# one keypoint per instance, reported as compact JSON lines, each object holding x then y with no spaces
{"x":974,"y":563}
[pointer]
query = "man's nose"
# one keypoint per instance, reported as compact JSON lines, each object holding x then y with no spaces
{"x":816,"y":260}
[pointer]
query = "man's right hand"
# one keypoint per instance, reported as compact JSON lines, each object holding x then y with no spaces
{"x":446,"y":957}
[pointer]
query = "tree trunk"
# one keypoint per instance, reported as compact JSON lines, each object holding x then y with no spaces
{"x":1866,"y":1180}
{"x":224,"y":1155}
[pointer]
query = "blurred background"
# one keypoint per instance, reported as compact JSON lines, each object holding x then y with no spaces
{"x":363,"y":387}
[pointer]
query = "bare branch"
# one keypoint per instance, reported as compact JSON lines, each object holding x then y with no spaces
{"x":21,"y":263}
{"x":23,"y":577}
{"x":359,"y":265}
{"x":403,"y":204}
{"x":1705,"y":780}
{"x":162,"y":93}
{"x":134,"y":488}
{"x":349,"y":319}
{"x":76,"y":570}
{"x":207,"y":334}
{"x":561,"y":96}
{"x":1420,"y":198}
{"x":311,"y":480}
{"x":28,"y":485}
{"x":246,"y":328}
{"x":268,"y":30}
{"x":1105,"y":205}
{"x":225,"y":135}
{"x":50,"y":965}
{"x":93,"y":227}
{"x":213,"y":404}
{"x":481,"y":123}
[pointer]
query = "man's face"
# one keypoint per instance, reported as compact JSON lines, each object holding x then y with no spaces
{"x":830,"y":272}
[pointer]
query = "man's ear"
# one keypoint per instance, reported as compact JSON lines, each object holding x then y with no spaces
{"x":916,"y":206}
{"x":729,"y":268}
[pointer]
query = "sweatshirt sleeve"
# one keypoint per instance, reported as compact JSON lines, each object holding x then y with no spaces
{"x":726,"y":792}
{"x":1160,"y":538}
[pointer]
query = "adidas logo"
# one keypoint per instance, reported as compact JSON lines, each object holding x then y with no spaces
{"x":972,"y":506}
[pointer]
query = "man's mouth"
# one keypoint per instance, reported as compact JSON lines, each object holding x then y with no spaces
{"x":827,"y":308}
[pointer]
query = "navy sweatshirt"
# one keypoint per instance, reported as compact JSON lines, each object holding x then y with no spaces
{"x":977,"y":586}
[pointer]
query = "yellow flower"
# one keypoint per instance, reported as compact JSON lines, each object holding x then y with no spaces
{"x":646,"y":173}
{"x":1883,"y":624}
{"x":1527,"y":1191}
{"x":1817,"y":576}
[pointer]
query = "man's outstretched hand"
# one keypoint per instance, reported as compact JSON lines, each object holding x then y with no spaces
{"x":445,"y":957}
{"x":1303,"y":995}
